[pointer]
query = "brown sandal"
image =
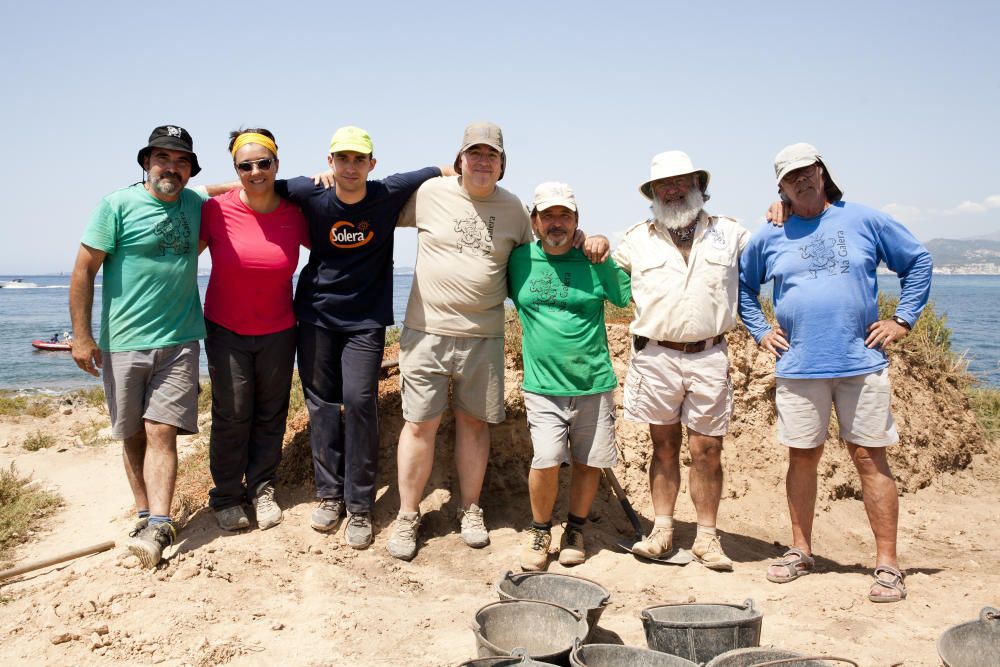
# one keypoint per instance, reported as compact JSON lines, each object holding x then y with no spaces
{"x":890,"y":578}
{"x":799,"y":558}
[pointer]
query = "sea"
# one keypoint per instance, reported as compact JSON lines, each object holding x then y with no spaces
{"x":37,"y":307}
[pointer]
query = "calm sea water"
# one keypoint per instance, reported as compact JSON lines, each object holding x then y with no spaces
{"x":39,"y":307}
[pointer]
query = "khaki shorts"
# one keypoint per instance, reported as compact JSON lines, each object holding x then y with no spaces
{"x":665,"y":386}
{"x":429,"y":363}
{"x":160,"y":385}
{"x":583,"y":425}
{"x":862,"y":403}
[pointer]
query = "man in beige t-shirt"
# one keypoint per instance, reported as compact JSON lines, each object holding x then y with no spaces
{"x":685,"y":280}
{"x":452,"y":336}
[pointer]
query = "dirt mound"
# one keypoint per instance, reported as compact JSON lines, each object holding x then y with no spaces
{"x":938,"y":431}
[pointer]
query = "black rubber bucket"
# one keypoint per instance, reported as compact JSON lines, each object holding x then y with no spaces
{"x":582,"y":595}
{"x":972,"y":644}
{"x":699,"y":632}
{"x":516,"y":660}
{"x":546,"y":631}
{"x":774,"y":657}
{"x":614,"y":655}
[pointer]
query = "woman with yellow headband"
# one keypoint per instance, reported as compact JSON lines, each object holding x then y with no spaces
{"x":254,"y":237}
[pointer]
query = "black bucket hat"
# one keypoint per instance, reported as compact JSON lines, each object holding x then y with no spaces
{"x":174,"y":138}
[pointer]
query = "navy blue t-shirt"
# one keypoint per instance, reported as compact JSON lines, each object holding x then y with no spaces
{"x":347,"y":283}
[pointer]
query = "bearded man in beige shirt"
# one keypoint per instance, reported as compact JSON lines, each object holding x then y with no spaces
{"x":685,"y":280}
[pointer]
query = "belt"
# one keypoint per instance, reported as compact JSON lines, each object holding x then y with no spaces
{"x":688,"y":348}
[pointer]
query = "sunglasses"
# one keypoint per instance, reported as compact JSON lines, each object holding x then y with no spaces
{"x":263,"y":164}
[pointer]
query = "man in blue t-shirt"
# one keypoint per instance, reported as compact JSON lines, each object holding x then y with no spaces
{"x":829,"y":344}
{"x":145,"y":239}
{"x":343,"y":303}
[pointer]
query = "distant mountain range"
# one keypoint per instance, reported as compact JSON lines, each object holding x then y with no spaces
{"x":966,"y":256}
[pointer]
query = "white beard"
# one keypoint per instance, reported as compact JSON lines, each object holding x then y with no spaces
{"x":680,"y":213}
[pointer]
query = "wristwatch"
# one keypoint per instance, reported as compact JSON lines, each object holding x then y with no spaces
{"x":901,"y":322}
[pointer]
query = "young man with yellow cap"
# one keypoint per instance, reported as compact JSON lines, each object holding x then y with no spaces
{"x":343,"y":303}
{"x":569,"y":382}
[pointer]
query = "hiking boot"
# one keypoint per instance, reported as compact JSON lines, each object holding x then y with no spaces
{"x":535,"y":555}
{"x":359,"y":530}
{"x":267,"y":509}
{"x":658,"y":543}
{"x":473,"y":527}
{"x":139,"y":525}
{"x":327,"y":514}
{"x":232,"y":518}
{"x":708,"y":550}
{"x":571,"y":549}
{"x":149,"y":544}
{"x":403,"y":542}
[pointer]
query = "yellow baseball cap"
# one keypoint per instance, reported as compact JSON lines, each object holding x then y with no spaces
{"x":351,"y":138}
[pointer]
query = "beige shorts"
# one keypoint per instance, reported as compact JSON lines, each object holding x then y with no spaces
{"x":665,"y":386}
{"x":583,"y":426}
{"x":429,"y":363}
{"x":863,"y":410}
{"x":160,"y":385}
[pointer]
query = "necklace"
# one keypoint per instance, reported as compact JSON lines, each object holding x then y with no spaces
{"x":684,"y":234}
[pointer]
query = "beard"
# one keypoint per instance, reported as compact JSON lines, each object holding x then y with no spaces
{"x":166,"y":184}
{"x":679,"y":213}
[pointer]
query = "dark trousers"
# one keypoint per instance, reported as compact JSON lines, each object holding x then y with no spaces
{"x":340,"y":368}
{"x":251,"y":379}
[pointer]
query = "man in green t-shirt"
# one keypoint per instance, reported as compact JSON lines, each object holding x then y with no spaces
{"x":569,"y":382}
{"x":145,"y":237}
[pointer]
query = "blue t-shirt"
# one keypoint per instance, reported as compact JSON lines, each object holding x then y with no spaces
{"x":347,"y":283}
{"x":825,"y":287}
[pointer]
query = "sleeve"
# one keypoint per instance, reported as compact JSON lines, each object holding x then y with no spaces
{"x":616,"y":283}
{"x":623,"y":255}
{"x":200,"y":193}
{"x":406,"y":183}
{"x":515,"y":277}
{"x":408,"y":216}
{"x":295,"y":190}
{"x":751,"y":277}
{"x":742,"y":237}
{"x":303,"y":225}
{"x":527,"y":236}
{"x":211,"y":213}
{"x":909,"y":259}
{"x":102,"y":230}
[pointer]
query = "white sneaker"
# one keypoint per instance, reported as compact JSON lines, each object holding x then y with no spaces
{"x":474,"y":531}
{"x":402,"y":543}
{"x":267,"y":509}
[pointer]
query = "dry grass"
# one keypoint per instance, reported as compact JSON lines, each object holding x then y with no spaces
{"x":38,"y":440}
{"x":392,"y":336}
{"x":985,"y":403}
{"x":22,"y":504}
{"x":93,"y":397}
{"x":90,"y":433}
{"x":17,"y":406}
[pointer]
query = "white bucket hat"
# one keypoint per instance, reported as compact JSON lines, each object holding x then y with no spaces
{"x":801,"y":155}
{"x":668,"y":165}
{"x":552,"y":194}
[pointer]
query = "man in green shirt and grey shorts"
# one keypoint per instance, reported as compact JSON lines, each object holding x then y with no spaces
{"x":569,"y":381}
{"x":145,"y":237}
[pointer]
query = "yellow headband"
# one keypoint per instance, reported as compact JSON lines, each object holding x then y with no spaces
{"x":255,"y":138}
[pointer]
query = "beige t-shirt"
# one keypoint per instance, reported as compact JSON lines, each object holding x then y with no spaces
{"x":677,"y":301}
{"x":463,"y":244}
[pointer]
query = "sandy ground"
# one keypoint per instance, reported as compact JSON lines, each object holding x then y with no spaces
{"x":298,"y":597}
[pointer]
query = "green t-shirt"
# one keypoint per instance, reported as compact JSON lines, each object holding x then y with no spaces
{"x":150,"y":287}
{"x":560,"y":300}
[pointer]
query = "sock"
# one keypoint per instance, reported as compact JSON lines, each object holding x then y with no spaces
{"x":547,"y":526}
{"x":706,"y":530}
{"x":143,"y":514}
{"x":573,"y":521}
{"x":664,"y":521}
{"x":157,"y":519}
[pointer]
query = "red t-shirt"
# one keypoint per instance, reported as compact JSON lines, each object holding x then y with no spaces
{"x":253,"y":258}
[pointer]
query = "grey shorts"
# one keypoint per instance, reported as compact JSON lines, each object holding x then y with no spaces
{"x":666,"y":386}
{"x":160,"y":385}
{"x":473,"y":367}
{"x":581,"y":425}
{"x":863,"y":410}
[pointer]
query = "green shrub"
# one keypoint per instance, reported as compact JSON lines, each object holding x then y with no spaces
{"x":21,"y":506}
{"x":38,"y":440}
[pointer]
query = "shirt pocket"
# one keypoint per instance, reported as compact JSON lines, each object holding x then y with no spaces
{"x":718,"y":264}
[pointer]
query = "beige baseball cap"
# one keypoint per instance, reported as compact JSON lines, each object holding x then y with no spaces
{"x":801,"y":155}
{"x":668,"y":165}
{"x":551,"y":194}
{"x":482,"y":132}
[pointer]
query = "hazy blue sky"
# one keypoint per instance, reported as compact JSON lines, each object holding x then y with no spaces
{"x":901,"y":98}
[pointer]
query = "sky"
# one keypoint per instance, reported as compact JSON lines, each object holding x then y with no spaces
{"x":901,"y":99}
